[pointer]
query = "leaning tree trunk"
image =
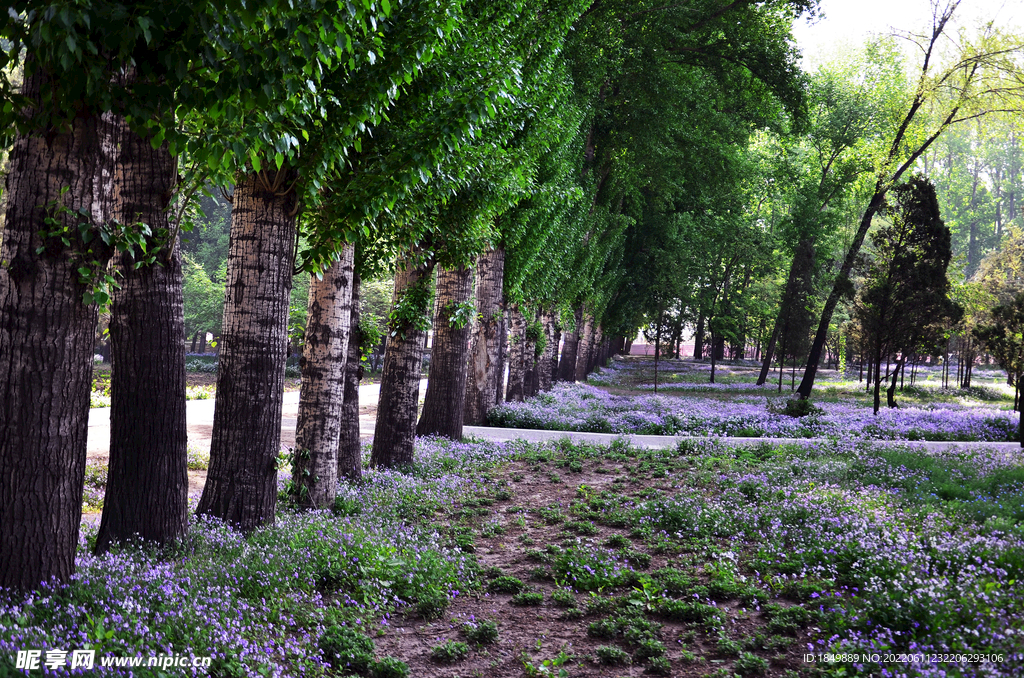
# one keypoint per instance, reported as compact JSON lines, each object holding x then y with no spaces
{"x":147,"y":476}
{"x":586,"y":344}
{"x":395,"y":434}
{"x":241,"y":485}
{"x":321,"y":396}
{"x":839,"y":288}
{"x":444,"y":405}
{"x":484,"y":376}
{"x":517,"y":355}
{"x":47,"y":337}
{"x":350,"y":449}
{"x":769,"y":352}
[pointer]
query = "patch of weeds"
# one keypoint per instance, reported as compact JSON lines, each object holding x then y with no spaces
{"x":527,"y":599}
{"x":491,"y":530}
{"x":198,"y":460}
{"x":432,"y":604}
{"x":580,"y":527}
{"x":618,"y":541}
{"x":481,"y":633}
{"x":786,"y":620}
{"x":750,"y":664}
{"x":548,"y":666}
{"x":728,"y":647}
{"x":527,"y":540}
{"x":344,"y":647}
{"x":345,"y":506}
{"x":659,"y":666}
{"x":648,"y":648}
{"x":555,"y":478}
{"x":563,"y":597}
{"x":492,"y":572}
{"x":612,"y":656}
{"x":636,"y":558}
{"x":503,"y":494}
{"x":450,"y":652}
{"x":552,"y":515}
{"x":572,"y":614}
{"x":389,"y":667}
{"x":600,"y":605}
{"x":686,"y":611}
{"x":505,"y":584}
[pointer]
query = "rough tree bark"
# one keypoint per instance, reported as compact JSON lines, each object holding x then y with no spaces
{"x":321,"y":396}
{"x":548,"y":367}
{"x":46,"y":353}
{"x":585,"y":347}
{"x":350,"y":449}
{"x":444,"y":404}
{"x":395,"y":434}
{"x":517,"y":355}
{"x":484,"y":378}
{"x":147,"y":477}
{"x":567,"y":364}
{"x":241,"y":485}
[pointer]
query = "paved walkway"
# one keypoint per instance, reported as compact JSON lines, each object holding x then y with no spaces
{"x":199,"y":415}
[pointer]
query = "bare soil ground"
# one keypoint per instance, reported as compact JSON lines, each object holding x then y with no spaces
{"x":530,"y":635}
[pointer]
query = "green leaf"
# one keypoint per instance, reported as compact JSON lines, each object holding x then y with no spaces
{"x":279,"y":159}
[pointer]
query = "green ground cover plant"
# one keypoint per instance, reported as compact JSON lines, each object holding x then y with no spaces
{"x":751,"y":558}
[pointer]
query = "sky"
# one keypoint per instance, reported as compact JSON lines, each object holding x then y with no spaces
{"x":850,"y":21}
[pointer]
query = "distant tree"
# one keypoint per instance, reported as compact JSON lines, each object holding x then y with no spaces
{"x":906,"y":292}
{"x":1004,"y":338}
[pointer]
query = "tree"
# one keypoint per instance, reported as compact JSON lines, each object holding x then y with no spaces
{"x":1004,"y":338}
{"x":906,"y":293}
{"x":980,"y":77}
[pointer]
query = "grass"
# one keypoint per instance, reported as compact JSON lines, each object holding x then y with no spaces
{"x":705,"y":558}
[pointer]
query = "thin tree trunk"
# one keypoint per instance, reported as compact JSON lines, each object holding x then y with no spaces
{"x":395,"y":434}
{"x":444,"y":404}
{"x":698,"y":339}
{"x":322,"y":394}
{"x":46,"y":353}
{"x":484,"y":362}
{"x":147,"y":476}
{"x":838,"y":289}
{"x":769,"y":353}
{"x":890,"y":393}
{"x":585,"y":347}
{"x":503,"y":351}
{"x":548,"y":361}
{"x":241,"y":485}
{"x":350,"y":449}
{"x":530,"y":377}
{"x":517,"y":355}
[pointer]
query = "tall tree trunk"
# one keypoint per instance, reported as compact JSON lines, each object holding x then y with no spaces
{"x":567,"y":363}
{"x":698,"y":339}
{"x":839,"y":288}
{"x":556,"y":342}
{"x":585,"y":347}
{"x":547,"y":363}
{"x":350,"y":449}
{"x":147,"y":476}
{"x":444,"y":404}
{"x":47,"y":337}
{"x":769,"y":353}
{"x":517,"y":355}
{"x":890,"y":393}
{"x":241,"y":485}
{"x":484,"y":362}
{"x":322,"y":394}
{"x":395,"y":434}
{"x":530,"y":379}
{"x":503,"y":351}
